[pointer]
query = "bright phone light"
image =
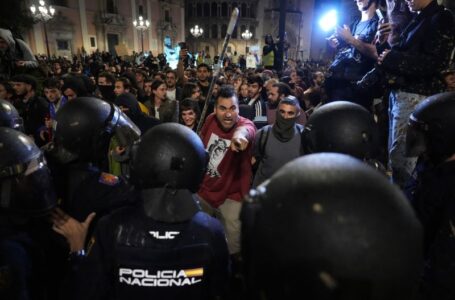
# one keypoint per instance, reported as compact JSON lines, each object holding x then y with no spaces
{"x":328,"y":21}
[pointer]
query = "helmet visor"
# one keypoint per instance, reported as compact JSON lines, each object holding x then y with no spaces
{"x":126,"y":131}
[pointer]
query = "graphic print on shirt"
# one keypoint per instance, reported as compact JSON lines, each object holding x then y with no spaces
{"x":217,"y":148}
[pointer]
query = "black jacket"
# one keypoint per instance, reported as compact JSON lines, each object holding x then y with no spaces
{"x":33,"y":112}
{"x":135,"y":257}
{"x":415,"y":64}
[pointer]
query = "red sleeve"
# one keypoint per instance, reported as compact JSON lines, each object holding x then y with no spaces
{"x":249,"y":126}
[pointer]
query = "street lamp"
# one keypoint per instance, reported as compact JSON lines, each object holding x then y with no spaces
{"x":43,"y":14}
{"x":247,"y":35}
{"x":196,"y":31}
{"x":141,"y":25}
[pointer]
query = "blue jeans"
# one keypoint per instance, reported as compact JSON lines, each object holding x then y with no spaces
{"x":401,"y":106}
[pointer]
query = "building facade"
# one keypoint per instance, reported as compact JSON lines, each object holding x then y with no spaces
{"x":107,"y":25}
{"x":259,"y":17}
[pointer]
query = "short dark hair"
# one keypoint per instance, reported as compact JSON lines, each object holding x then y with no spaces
{"x":142,"y":72}
{"x":188,"y":88}
{"x":109,"y":77}
{"x":172,"y":71}
{"x":156,"y":84}
{"x":160,"y":74}
{"x":25,"y":78}
{"x":291,"y":100}
{"x":256,"y":79}
{"x":204,"y":66}
{"x":283,"y":88}
{"x":227,"y":91}
{"x":190,"y":104}
{"x":52,"y":83}
{"x":126,"y":82}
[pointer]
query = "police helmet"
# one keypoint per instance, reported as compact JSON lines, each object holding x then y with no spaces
{"x":341,"y":127}
{"x":327,"y":226}
{"x":85,"y":126}
{"x":170,"y":155}
{"x":25,"y":180}
{"x":9,"y":117}
{"x":431,"y":128}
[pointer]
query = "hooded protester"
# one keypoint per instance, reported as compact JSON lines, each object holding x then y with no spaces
{"x":14,"y":54}
{"x":130,"y":106}
{"x":277,"y":144}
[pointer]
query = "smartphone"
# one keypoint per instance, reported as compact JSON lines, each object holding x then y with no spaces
{"x":379,"y":14}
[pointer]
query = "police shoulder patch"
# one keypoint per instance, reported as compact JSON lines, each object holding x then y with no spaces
{"x":108,"y":179}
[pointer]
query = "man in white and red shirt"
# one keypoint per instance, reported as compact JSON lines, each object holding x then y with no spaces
{"x":228,"y":138}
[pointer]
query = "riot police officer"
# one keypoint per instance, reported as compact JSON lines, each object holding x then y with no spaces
{"x":79,"y":153}
{"x":78,"y":160}
{"x":326,"y":226}
{"x":431,"y":137}
{"x":343,"y":127}
{"x":164,"y":247}
{"x":26,"y":193}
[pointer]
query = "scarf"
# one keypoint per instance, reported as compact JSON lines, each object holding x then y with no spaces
{"x":283,"y":129}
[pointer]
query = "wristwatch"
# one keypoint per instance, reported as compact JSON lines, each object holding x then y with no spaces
{"x":76,"y":255}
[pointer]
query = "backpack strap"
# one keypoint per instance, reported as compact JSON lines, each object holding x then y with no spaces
{"x":263,"y":140}
{"x":301,"y":129}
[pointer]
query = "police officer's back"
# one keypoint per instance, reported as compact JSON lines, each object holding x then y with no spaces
{"x":431,"y":137}
{"x":78,"y":159}
{"x":164,"y":247}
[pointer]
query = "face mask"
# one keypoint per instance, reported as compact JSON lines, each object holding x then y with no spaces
{"x":283,"y":129}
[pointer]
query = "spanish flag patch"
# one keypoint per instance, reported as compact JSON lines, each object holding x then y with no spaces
{"x":194,"y":272}
{"x":108,"y":179}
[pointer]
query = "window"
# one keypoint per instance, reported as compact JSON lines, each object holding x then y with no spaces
{"x":243,"y":11}
{"x":214,"y":30}
{"x":189,"y":10}
{"x":58,"y":2}
{"x":93,"y":42}
{"x":214,"y":12}
{"x":224,"y":9}
{"x":199,"y":10}
{"x":206,"y":9}
{"x":111,"y":7}
{"x":167,"y":16}
{"x":252,"y":11}
{"x":223,"y":30}
{"x":141,"y":10}
{"x":63,"y":45}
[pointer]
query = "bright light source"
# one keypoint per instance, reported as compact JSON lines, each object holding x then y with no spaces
{"x":328,"y":21}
